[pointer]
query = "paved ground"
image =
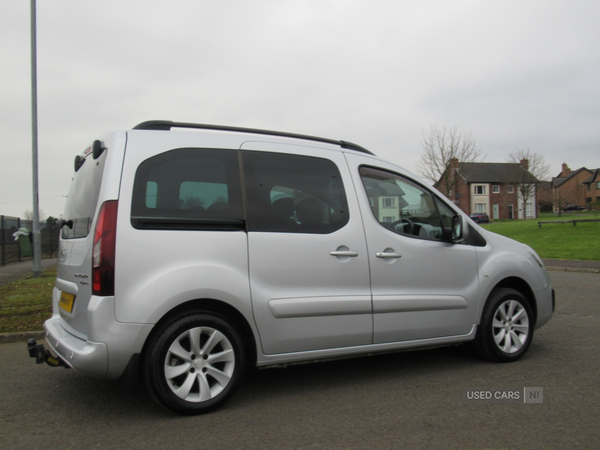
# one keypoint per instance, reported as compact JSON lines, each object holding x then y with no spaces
{"x":572,"y":266}
{"x":12,"y":272}
{"x":413,"y":400}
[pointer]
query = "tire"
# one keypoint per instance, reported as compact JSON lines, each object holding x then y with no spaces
{"x":193,"y":363}
{"x":506,"y":328}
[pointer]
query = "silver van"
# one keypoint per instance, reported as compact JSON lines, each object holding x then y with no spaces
{"x":190,"y":252}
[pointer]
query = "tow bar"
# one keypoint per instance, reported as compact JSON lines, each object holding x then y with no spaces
{"x":42,"y":355}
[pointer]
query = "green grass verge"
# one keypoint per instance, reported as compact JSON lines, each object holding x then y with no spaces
{"x":554,"y":240}
{"x":25,"y":304}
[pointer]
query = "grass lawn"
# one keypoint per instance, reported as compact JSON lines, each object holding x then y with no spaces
{"x":26,"y":304}
{"x":555,"y":240}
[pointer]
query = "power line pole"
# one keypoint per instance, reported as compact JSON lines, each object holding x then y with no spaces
{"x":37,"y":244}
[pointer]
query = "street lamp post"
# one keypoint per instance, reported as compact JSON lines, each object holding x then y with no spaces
{"x":37,"y":245}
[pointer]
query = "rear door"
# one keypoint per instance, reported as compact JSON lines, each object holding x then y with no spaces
{"x":93,"y":179}
{"x":308,"y":266}
{"x":423,"y":286}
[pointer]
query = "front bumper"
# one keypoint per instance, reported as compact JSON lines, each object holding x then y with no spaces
{"x":545,"y":302}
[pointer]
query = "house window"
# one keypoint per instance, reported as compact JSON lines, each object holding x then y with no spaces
{"x":597,"y":184}
{"x":388,"y":202}
{"x":479,"y":190}
{"x":480,"y":208}
{"x":510,"y":189}
{"x":528,"y":210}
{"x":495,"y":189}
{"x":389,"y":219}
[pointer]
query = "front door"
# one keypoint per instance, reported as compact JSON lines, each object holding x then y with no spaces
{"x":309,"y":273}
{"x":495,"y":212}
{"x":423,"y":286}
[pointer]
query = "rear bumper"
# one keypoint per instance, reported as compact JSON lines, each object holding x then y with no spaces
{"x":108,"y":346}
{"x":90,"y":358}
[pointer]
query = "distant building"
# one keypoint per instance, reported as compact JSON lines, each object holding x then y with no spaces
{"x":544,"y":196}
{"x":592,"y":187}
{"x":568,"y":187}
{"x":492,"y":188}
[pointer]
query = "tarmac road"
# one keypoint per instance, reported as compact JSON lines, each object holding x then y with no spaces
{"x":403,"y":400}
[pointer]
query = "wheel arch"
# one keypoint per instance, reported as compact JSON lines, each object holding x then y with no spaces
{"x":518,"y":284}
{"x":219,"y":308}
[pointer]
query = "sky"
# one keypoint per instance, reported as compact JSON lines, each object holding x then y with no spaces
{"x":380,"y":73}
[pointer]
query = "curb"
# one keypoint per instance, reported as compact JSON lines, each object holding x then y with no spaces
{"x":6,"y":338}
{"x":570,"y":269}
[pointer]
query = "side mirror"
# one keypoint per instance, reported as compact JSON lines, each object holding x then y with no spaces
{"x":460,"y":229}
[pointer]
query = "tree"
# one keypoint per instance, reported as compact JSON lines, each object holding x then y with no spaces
{"x":441,"y":147}
{"x":28,"y":215}
{"x":534,"y":170}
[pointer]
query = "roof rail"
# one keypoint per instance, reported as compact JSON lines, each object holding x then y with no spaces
{"x":166,"y":125}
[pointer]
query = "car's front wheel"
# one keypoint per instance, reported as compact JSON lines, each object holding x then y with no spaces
{"x":193,"y":363}
{"x":506,"y":327}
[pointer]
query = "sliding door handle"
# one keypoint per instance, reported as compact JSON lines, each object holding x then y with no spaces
{"x":388,"y":255}
{"x":344,"y":253}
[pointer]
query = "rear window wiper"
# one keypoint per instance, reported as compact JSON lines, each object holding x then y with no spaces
{"x":63,"y":222}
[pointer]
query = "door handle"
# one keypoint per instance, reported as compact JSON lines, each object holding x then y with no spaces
{"x":388,"y":255}
{"x":344,"y":253}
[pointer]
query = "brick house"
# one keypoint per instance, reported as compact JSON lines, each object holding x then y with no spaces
{"x":592,"y":187}
{"x":568,"y":187}
{"x":491,"y":188}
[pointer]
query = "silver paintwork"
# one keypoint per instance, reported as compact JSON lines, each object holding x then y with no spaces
{"x":359,"y":290}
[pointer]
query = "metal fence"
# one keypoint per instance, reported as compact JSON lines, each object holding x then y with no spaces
{"x":11,"y":250}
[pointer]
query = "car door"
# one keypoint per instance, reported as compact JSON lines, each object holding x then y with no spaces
{"x":423,"y":286}
{"x":308,"y":262}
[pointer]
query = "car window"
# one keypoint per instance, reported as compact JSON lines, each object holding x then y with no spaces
{"x":293,"y":193}
{"x":446,"y":214}
{"x":82,"y":198}
{"x":195,"y":188}
{"x":403,"y":206}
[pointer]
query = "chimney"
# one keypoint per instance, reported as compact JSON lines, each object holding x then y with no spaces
{"x":525,"y":164}
{"x":565,"y":170}
{"x":454,"y":163}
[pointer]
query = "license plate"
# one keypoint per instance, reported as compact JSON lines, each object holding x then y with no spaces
{"x":66,"y":301}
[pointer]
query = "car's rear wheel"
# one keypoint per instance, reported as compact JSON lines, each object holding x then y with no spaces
{"x":193,"y":363}
{"x":506,"y":327}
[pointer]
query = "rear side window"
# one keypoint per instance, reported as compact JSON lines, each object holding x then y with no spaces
{"x":188,"y":189}
{"x":294,"y":194}
{"x":83,"y":197}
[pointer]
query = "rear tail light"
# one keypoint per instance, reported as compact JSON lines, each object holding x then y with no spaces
{"x":103,"y":253}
